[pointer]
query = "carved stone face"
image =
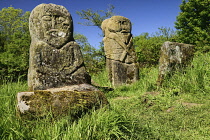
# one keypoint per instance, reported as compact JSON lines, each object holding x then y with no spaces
{"x":119,"y":24}
{"x":52,"y":24}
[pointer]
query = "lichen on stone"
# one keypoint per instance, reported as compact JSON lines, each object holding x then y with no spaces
{"x":174,"y":57}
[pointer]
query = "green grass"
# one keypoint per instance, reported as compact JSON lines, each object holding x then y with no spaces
{"x":132,"y":113}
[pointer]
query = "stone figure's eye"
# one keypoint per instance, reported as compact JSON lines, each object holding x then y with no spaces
{"x":47,"y":18}
{"x":61,"y":19}
{"x":123,"y":22}
{"x":65,"y":26}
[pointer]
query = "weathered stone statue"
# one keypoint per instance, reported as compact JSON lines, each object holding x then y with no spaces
{"x":174,"y":56}
{"x":57,"y":79}
{"x":119,"y":51}
{"x":55,"y":58}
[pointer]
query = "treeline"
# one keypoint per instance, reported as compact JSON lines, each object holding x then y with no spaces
{"x":14,"y":43}
{"x":193,"y":27}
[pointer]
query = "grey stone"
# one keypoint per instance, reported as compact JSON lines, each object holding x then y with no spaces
{"x":120,"y":55}
{"x":174,"y":56}
{"x":55,"y":58}
{"x":72,"y":101}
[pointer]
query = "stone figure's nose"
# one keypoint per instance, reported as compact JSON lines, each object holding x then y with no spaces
{"x":53,"y":22}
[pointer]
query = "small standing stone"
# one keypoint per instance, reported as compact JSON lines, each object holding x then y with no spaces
{"x":120,"y":55}
{"x":174,"y":56}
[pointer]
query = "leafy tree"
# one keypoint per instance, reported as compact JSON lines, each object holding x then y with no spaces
{"x":93,"y":59}
{"x":15,"y":43}
{"x":95,"y":18}
{"x":167,"y":33}
{"x":193,"y":22}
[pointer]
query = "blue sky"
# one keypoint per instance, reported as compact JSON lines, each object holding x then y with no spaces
{"x":146,"y":15}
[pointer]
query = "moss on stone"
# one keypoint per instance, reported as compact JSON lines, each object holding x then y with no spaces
{"x":63,"y":103}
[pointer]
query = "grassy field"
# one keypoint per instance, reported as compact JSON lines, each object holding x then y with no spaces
{"x":177,"y":110}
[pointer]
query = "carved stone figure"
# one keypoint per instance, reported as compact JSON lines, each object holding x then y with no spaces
{"x":174,"y":56}
{"x":55,"y":58}
{"x":119,"y":51}
{"x":57,"y":79}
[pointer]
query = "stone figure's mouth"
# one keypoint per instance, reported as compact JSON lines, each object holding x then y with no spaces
{"x":124,"y":31}
{"x":56,"y":33}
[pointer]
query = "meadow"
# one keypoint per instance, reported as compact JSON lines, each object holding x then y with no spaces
{"x":179,"y":109}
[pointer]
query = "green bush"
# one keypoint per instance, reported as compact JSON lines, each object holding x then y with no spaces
{"x":148,"y":46}
{"x":148,"y":49}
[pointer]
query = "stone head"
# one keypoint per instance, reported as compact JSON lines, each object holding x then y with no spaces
{"x":52,"y":24}
{"x":116,"y":24}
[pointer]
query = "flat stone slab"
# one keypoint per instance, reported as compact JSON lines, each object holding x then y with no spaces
{"x":72,"y":100}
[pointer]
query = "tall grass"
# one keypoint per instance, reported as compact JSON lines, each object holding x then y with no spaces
{"x":196,"y":78}
{"x":132,"y":114}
